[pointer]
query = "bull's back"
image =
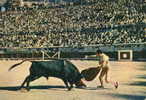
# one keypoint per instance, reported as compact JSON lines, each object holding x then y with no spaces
{"x":54,"y":64}
{"x":49,"y":68}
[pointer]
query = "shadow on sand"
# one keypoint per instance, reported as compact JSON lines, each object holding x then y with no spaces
{"x":43,"y":87}
{"x":139,"y":83}
{"x":141,"y":76}
{"x":130,"y":97}
{"x":93,"y":88}
{"x":16,"y":88}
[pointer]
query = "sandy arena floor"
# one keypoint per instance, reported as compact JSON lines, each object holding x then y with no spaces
{"x":130,"y":75}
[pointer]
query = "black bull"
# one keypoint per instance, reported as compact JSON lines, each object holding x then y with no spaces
{"x":62,"y":69}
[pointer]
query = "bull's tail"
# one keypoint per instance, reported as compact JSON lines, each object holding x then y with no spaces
{"x":16,"y":65}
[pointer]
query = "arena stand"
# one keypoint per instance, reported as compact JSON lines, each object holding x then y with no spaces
{"x":89,"y":23}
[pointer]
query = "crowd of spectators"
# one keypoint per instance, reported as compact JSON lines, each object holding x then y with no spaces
{"x":76,"y":25}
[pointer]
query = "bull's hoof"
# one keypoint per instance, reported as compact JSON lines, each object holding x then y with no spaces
{"x":83,"y":86}
{"x":69,"y":89}
{"x":24,"y":90}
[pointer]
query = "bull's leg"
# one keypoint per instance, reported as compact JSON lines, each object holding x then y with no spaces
{"x":66,"y":83}
{"x":71,"y":84}
{"x":22,"y":85}
{"x":31,"y":78}
{"x":27,"y":85}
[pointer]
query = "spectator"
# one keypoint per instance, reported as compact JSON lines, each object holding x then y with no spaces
{"x":79,"y":25}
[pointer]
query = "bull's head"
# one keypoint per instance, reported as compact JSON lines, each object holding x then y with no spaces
{"x":80,"y":84}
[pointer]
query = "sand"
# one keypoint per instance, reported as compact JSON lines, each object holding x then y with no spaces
{"x":130,"y":75}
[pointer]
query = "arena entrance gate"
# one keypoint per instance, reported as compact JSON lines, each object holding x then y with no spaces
{"x":125,"y":55}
